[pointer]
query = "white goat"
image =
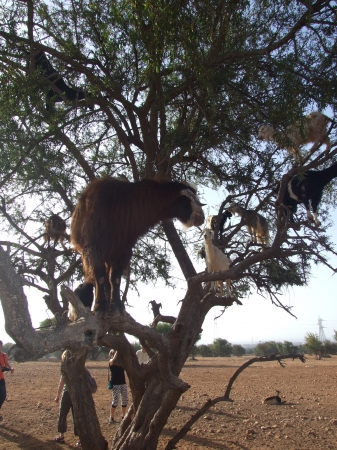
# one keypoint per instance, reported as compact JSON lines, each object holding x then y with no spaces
{"x":216,"y":261}
{"x":257,"y":225}
{"x":313,"y":129}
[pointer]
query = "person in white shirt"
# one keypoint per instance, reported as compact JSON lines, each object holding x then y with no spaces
{"x":142,"y":356}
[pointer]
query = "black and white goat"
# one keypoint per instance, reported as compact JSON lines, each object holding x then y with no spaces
{"x":216,"y":261}
{"x":308,"y":188}
{"x":211,"y":221}
{"x":313,"y":129}
{"x":257,"y":225}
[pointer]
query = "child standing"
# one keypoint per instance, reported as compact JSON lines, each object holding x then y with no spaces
{"x":119,"y":389}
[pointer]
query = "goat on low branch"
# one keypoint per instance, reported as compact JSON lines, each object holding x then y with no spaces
{"x":257,"y":225}
{"x":55,"y":230}
{"x":313,"y":129}
{"x":109,"y":218}
{"x":308,"y":188}
{"x":216,"y":261}
{"x":85,"y":292}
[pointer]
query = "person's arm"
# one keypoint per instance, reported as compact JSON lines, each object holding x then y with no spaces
{"x":7,"y":364}
{"x":59,"y":389}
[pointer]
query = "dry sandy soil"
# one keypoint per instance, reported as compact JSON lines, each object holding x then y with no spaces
{"x":307,"y":419}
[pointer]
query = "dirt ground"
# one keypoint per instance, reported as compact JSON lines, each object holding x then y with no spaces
{"x":307,"y":420}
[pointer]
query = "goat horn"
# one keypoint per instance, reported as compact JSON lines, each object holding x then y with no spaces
{"x":201,"y":204}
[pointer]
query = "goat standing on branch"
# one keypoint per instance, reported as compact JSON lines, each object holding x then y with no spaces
{"x":314,"y":129}
{"x":211,"y":221}
{"x":216,"y":261}
{"x":257,"y":225}
{"x":59,"y":89}
{"x":308,"y":187}
{"x":109,"y":218}
{"x":55,"y":230}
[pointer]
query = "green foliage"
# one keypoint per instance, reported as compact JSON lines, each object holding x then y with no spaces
{"x":313,"y":345}
{"x":173,"y":90}
{"x":330,"y":348}
{"x":238,"y":350}
{"x":287,"y":348}
{"x":266,"y":348}
{"x":47,"y":323}
{"x":163,"y":328}
{"x":221,"y":347}
{"x":7,"y":346}
{"x":204,"y":350}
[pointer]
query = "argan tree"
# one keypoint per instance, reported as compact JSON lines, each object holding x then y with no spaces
{"x":166,"y":90}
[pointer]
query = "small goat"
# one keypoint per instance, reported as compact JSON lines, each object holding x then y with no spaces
{"x":314,"y":129}
{"x":85,"y":292}
{"x":216,"y":261}
{"x":211,"y":221}
{"x":109,"y":218}
{"x":308,"y":187}
{"x":257,"y":225}
{"x":55,"y":230}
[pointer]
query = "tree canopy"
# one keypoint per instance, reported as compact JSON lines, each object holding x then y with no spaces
{"x":166,"y":90}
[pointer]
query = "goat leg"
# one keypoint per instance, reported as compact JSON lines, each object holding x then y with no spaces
{"x":116,"y":304}
{"x":101,"y":282}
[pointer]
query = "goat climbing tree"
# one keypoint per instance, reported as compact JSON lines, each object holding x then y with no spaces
{"x":172,"y":90}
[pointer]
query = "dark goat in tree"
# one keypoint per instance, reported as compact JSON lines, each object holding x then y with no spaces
{"x":211,"y":221}
{"x":308,"y":187}
{"x":85,"y":292}
{"x":59,"y":87}
{"x":109,"y":218}
{"x":55,"y":230}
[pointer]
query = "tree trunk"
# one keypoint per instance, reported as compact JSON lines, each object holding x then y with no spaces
{"x":155,"y":408}
{"x":18,"y":323}
{"x":89,"y":431}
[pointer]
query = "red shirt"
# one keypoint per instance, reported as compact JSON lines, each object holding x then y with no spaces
{"x":3,"y":363}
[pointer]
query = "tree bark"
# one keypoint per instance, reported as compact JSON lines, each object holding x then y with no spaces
{"x":18,"y":324}
{"x":89,"y":431}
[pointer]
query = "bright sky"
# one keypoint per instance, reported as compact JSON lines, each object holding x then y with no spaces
{"x":257,"y":320}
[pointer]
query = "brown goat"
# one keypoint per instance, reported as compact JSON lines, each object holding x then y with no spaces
{"x":256,"y":225}
{"x":55,"y":230}
{"x":109,"y":218}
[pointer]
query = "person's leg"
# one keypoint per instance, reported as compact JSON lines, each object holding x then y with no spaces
{"x":115,"y":397}
{"x":124,"y":394}
{"x":65,"y":406}
{"x":2,"y":394}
